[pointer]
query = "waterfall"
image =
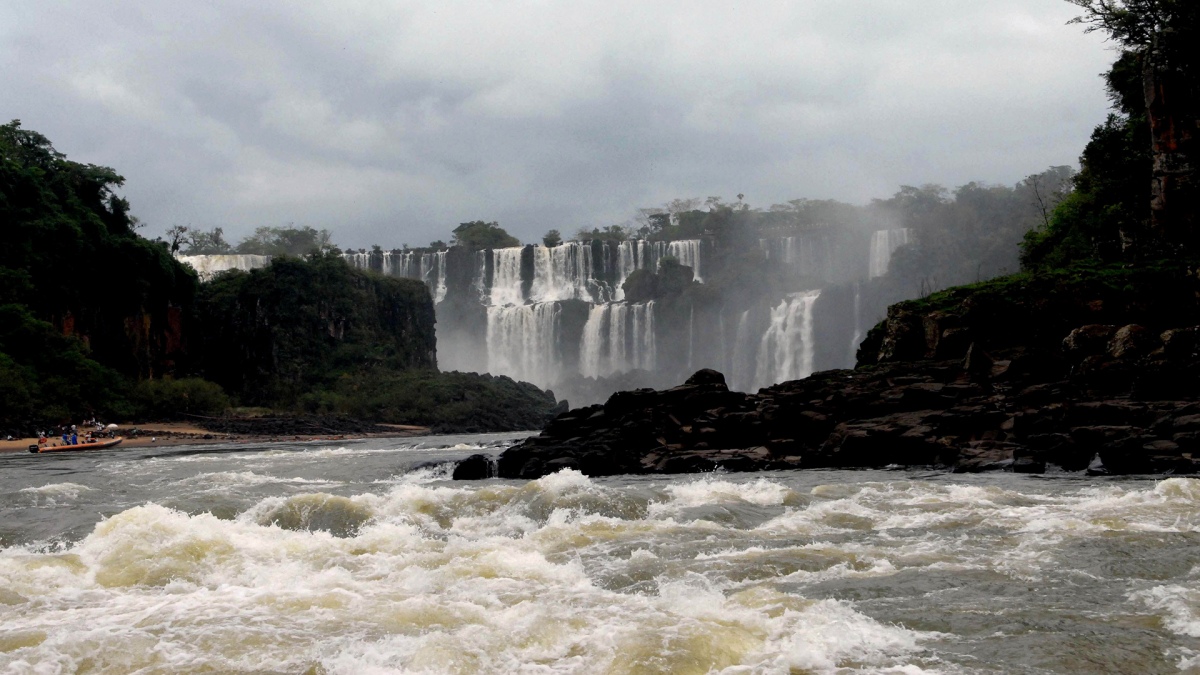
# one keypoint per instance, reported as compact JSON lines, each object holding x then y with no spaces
{"x":785,"y":351}
{"x":631,"y":255}
{"x":883,"y":244}
{"x":429,"y":267}
{"x":480,"y":283}
{"x":506,"y":277}
{"x":617,"y":338}
{"x":741,"y":362}
{"x":637,"y":254}
{"x":858,"y":329}
{"x":688,"y":253}
{"x":439,"y":292}
{"x":207,"y":266}
{"x":522,"y":342}
{"x":360,"y":261}
{"x":809,"y":252}
{"x":563,"y":272}
{"x":691,"y":336}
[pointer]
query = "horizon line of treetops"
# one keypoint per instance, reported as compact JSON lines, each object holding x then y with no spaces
{"x":678,"y":219}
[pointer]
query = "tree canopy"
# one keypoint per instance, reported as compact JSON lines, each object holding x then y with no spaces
{"x":294,"y":241}
{"x":478,"y":234}
{"x":1135,"y":195}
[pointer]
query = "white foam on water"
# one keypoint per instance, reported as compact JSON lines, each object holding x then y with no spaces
{"x":707,"y":491}
{"x":1178,"y":605}
{"x":55,"y":493}
{"x":226,"y":479}
{"x":420,"y":578}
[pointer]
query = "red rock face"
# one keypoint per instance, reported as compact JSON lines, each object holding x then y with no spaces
{"x":1173,"y":186}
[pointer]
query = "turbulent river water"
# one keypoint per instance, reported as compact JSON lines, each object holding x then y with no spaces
{"x":352,"y":558}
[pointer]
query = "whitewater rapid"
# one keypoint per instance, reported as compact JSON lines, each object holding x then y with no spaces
{"x":364,"y":558}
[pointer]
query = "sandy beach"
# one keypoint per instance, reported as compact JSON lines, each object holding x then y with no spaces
{"x":183,"y":433}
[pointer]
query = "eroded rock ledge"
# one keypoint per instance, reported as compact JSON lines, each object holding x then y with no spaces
{"x":1105,"y":399}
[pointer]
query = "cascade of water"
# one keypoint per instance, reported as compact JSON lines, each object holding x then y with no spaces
{"x":592,"y":344}
{"x":439,"y":292}
{"x":785,"y":351}
{"x":688,"y":253}
{"x":617,"y":338}
{"x":207,"y":266}
{"x":741,"y":366}
{"x":636,"y":254}
{"x":506,"y":277}
{"x":721,"y":331}
{"x":629,"y":253}
{"x":810,"y":252}
{"x":360,"y":261}
{"x":563,"y":272}
{"x":480,"y":281}
{"x":691,"y":336}
{"x":883,"y":244}
{"x":644,"y":348}
{"x":858,"y":329}
{"x":522,"y":342}
{"x":427,"y":267}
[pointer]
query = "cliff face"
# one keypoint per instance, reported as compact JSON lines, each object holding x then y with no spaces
{"x":271,"y":334}
{"x":1031,"y":314}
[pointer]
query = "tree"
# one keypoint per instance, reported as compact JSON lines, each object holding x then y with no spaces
{"x":296,"y":241}
{"x":1160,"y":38}
{"x":1106,"y":215}
{"x":199,"y":242}
{"x":477,"y":234}
{"x":609,"y":233}
{"x":176,"y":236}
{"x":553,"y":238}
{"x":437,"y":244}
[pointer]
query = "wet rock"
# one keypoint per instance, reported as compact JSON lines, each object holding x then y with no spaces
{"x":706,"y":376}
{"x":475,"y":467}
{"x":1090,"y":340}
{"x":978,"y":456}
{"x":1131,"y":341}
{"x":1181,"y":343}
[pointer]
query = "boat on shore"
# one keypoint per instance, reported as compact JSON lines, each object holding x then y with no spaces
{"x":82,"y":445}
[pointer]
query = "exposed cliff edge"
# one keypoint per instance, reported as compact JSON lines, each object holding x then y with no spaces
{"x":1024,"y":373}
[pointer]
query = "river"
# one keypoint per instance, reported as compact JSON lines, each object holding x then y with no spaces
{"x":351,"y":558}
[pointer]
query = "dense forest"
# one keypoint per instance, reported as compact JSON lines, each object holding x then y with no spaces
{"x":97,"y":320}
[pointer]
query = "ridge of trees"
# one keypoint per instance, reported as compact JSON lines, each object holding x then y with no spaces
{"x":1135,"y":196}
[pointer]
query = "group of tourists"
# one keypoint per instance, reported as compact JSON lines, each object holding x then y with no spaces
{"x":69,"y":434}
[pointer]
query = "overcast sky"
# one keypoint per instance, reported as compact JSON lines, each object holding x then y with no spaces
{"x":391,"y":122}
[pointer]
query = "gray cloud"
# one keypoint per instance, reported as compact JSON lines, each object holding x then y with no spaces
{"x":390,"y":122}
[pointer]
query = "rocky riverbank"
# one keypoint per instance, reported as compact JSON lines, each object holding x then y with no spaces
{"x":1108,"y":400}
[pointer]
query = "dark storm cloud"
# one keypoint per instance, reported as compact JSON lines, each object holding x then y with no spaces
{"x":392,"y":122}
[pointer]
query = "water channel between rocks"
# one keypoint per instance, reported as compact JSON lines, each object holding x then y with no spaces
{"x":316,"y":558}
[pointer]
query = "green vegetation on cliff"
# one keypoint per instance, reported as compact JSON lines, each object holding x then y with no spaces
{"x":450,"y":402}
{"x":1122,"y":247}
{"x":97,"y":320}
{"x":86,"y":305}
{"x":274,"y":334}
{"x":1136,"y":196}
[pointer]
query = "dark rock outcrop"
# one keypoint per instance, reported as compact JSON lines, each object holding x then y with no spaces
{"x":1111,"y":400}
